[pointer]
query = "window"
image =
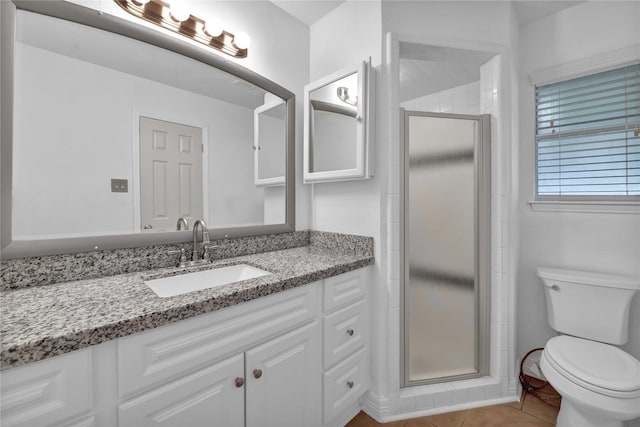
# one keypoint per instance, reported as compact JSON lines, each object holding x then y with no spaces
{"x":588,"y":137}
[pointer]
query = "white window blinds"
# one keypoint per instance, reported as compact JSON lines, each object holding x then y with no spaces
{"x":587,"y":136}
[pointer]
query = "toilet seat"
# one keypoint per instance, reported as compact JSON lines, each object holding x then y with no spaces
{"x":597,"y":367}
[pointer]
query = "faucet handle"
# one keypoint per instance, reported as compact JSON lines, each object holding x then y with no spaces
{"x":183,"y":257}
{"x":206,"y":247}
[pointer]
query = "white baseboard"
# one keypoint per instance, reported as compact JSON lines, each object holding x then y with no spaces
{"x":451,"y":408}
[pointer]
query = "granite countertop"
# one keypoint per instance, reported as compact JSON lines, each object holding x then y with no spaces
{"x":44,"y":321}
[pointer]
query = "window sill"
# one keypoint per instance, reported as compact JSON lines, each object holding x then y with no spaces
{"x":585,"y":206}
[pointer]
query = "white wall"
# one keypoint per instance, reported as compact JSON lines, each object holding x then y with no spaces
{"x":450,"y":22}
{"x":84,"y":137}
{"x":606,"y":242}
{"x":346,"y":36}
{"x":279,"y":51}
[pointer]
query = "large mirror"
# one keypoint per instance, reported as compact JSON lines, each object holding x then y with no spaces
{"x":117,"y":137}
{"x":337,"y":126}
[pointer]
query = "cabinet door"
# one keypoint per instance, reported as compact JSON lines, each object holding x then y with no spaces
{"x":283,"y":380}
{"x":208,"y":397}
{"x":48,"y":391}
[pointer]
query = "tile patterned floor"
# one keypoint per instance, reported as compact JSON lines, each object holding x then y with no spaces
{"x":530,"y":411}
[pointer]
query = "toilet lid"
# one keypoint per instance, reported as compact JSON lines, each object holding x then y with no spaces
{"x":599,"y":367}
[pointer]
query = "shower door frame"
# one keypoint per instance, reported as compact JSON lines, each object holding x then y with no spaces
{"x":482,"y":243}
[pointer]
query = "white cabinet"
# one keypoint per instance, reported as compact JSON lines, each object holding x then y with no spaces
{"x":153,"y":357}
{"x":56,"y":391}
{"x":283,"y":386}
{"x":269,"y":373}
{"x":344,"y":384}
{"x":279,"y":360}
{"x":345,"y":331}
{"x":275,"y":384}
{"x":345,"y":345}
{"x":212,"y":396}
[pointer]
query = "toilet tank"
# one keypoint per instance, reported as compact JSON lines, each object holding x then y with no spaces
{"x":589,"y":305}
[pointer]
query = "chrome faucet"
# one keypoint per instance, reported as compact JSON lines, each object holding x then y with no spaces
{"x":205,"y":242}
{"x":206,"y":245}
{"x":182,"y":221}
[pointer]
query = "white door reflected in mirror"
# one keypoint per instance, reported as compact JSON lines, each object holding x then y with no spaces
{"x":170,"y":174}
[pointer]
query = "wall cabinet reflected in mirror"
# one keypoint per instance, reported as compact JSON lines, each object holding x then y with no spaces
{"x":270,"y":126}
{"x":337,"y":126}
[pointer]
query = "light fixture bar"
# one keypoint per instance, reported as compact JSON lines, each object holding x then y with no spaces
{"x":159,"y":12}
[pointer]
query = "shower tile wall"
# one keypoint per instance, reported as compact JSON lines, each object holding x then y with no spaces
{"x":490,"y":103}
{"x":490,"y":100}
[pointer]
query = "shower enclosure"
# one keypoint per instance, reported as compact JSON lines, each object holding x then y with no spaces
{"x":445,"y":247}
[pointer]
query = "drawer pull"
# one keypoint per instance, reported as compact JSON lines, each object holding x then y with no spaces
{"x":350,"y":384}
{"x":350,"y":332}
{"x":239,"y":382}
{"x":257,"y":373}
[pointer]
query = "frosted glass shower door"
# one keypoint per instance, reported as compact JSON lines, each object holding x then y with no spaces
{"x":440,"y":241}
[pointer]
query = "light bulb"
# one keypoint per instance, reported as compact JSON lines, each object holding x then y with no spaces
{"x":179,"y":12}
{"x":213,"y":27}
{"x":242,"y":40}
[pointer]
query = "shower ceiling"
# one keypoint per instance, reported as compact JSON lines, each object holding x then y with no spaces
{"x":429,"y":69}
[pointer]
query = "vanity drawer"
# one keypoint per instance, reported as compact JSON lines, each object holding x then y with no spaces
{"x":344,"y":289}
{"x":159,"y":355}
{"x":344,"y":384}
{"x":345,"y":331}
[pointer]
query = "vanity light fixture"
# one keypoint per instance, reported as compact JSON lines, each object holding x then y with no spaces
{"x":343,"y":94}
{"x":178,"y":19}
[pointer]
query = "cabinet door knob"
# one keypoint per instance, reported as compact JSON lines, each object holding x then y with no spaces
{"x":239,"y":382}
{"x":350,"y":384}
{"x":257,"y":373}
{"x":350,"y":332}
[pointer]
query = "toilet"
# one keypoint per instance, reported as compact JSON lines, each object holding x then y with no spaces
{"x":599,"y":382}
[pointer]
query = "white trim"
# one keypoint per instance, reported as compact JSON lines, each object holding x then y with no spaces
{"x":591,"y":65}
{"x":451,"y":408}
{"x":587,"y":206}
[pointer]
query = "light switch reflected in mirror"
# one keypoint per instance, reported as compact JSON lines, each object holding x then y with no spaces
{"x":337,"y":126}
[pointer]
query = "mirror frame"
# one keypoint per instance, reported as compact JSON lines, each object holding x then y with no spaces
{"x":364,"y":142}
{"x":114,"y":24}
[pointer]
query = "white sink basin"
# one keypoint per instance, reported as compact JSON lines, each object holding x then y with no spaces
{"x":189,"y":282}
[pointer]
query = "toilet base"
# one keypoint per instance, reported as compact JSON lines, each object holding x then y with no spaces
{"x":572,"y":416}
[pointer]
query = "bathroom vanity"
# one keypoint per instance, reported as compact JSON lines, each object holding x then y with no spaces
{"x":288,"y":348}
{"x":84,"y":340}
